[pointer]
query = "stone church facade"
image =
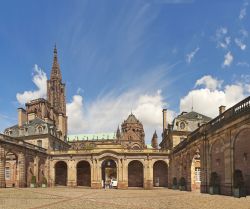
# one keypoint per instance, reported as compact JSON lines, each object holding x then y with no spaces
{"x":193,"y":147}
{"x":38,"y":146}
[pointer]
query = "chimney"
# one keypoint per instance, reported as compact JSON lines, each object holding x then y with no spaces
{"x":22,"y":117}
{"x":164,"y":111}
{"x":222,"y":109}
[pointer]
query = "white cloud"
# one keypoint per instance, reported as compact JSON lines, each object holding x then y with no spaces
{"x":244,"y":33}
{"x":40,"y":80}
{"x":240,"y":40}
{"x":221,"y":38}
{"x":228,"y":59}
{"x":243,"y":64}
{"x":207,"y":100}
{"x":76,"y":122}
{"x":209,"y":82}
{"x":191,"y":55}
{"x":243,"y":11}
{"x":105,"y":113}
{"x":240,"y":44}
{"x":80,"y":91}
{"x":221,"y":32}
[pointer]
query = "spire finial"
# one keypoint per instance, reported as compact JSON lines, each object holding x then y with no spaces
{"x":55,"y":73}
{"x":55,"y":51}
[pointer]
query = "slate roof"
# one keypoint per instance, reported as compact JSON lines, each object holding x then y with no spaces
{"x":194,"y":116}
{"x":131,"y":119}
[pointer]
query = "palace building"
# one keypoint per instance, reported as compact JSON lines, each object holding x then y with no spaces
{"x":195,"y":150}
{"x":39,"y":147}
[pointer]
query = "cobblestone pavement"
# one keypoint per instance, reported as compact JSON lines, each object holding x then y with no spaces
{"x":74,"y":198}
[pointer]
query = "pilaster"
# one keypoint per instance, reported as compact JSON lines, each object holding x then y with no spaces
{"x":2,"y":168}
{"x":22,"y":172}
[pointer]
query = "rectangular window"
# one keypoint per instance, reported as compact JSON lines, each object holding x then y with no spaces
{"x":7,"y":173}
{"x":198,"y":174}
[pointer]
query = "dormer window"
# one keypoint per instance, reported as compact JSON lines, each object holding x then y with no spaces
{"x":40,"y":129}
{"x":182,"y":125}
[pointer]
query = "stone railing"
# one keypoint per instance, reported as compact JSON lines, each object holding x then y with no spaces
{"x":20,"y":142}
{"x":232,"y":113}
{"x":96,"y":151}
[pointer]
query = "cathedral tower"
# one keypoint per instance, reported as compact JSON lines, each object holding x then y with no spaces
{"x":55,"y":87}
{"x":56,"y":95}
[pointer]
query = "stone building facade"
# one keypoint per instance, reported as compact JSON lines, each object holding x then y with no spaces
{"x":193,"y":146}
{"x":220,"y":146}
{"x":38,"y":146}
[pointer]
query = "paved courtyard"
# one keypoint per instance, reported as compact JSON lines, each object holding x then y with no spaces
{"x":121,"y":199}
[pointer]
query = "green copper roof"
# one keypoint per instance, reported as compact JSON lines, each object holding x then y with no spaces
{"x":149,"y":146}
{"x":96,"y":136}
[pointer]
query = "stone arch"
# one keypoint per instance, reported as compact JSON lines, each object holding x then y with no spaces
{"x":108,"y":154}
{"x":83,"y":173}
{"x":241,"y":157}
{"x":195,"y":170}
{"x":135,"y":174}
{"x":160,"y":173}
{"x":217,"y":162}
{"x":136,"y":146}
{"x":61,"y":173}
{"x":109,"y":171}
{"x":30,"y":168}
{"x":11,"y":169}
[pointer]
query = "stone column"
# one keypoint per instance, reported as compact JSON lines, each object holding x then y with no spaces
{"x":205,"y":165}
{"x":148,"y":174}
{"x":2,"y":168}
{"x":189,"y":168}
{"x":22,"y":170}
{"x":122,"y":181}
{"x":96,"y":181}
{"x":228,"y":170}
{"x":51,"y":172}
{"x":36,"y":168}
{"x":170,"y":172}
{"x":48,"y":170}
{"x":71,"y":173}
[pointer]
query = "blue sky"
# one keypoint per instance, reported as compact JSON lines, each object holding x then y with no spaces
{"x":118,"y":56}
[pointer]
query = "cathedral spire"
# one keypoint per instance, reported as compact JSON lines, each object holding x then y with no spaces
{"x":55,"y":72}
{"x":118,"y":133}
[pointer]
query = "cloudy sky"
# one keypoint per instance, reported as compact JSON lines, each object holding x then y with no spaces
{"x":123,"y":56}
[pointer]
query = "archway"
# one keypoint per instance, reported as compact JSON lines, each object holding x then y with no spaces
{"x":135,"y":174}
{"x":61,"y":174}
{"x":11,"y":169}
{"x":83,"y":174}
{"x":109,"y":171}
{"x":242,"y":156}
{"x":218,"y":164}
{"x":160,"y":174}
{"x":196,"y":172}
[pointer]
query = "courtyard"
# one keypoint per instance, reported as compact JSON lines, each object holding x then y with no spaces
{"x":62,"y":197}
